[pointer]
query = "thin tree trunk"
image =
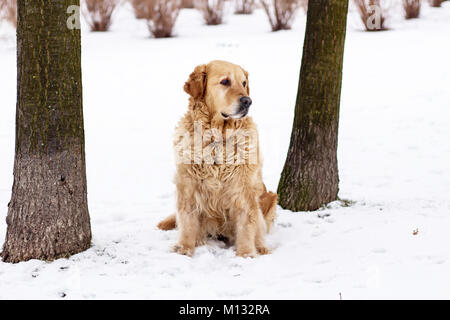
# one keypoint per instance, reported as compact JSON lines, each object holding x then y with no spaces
{"x":48,"y":213}
{"x":310,"y":175}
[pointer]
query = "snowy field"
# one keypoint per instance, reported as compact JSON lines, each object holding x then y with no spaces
{"x":394,"y":161}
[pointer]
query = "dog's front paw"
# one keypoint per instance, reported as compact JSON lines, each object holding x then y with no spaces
{"x":263,"y":250}
{"x":246,"y":253}
{"x":184,"y":250}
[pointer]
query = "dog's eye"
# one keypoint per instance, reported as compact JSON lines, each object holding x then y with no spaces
{"x":244,"y":83}
{"x":225,"y":82}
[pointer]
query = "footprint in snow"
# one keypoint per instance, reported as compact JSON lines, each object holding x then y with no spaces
{"x":284,"y":224}
{"x":431,"y":259}
{"x":379,"y":250}
{"x":166,"y":195}
{"x":317,"y":233}
{"x":322,"y":262}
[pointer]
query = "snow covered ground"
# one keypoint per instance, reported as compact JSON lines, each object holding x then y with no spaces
{"x":394,"y":161}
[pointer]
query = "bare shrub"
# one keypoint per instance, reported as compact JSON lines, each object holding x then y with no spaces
{"x":213,"y":10}
{"x":304,"y":4}
{"x":98,"y":13}
{"x":162,"y":18}
{"x":143,"y":8}
{"x":8,"y":11}
{"x":161,"y":15}
{"x":411,"y":8}
{"x":281,"y":13}
{"x":436,"y":3}
{"x":188,"y":4}
{"x":372,"y":14}
{"x":139,"y":8}
{"x":244,"y":6}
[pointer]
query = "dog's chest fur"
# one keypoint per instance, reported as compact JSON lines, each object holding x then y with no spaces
{"x":227,"y":167}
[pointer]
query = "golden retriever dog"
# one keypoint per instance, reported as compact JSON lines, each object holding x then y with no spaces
{"x":219,"y":187}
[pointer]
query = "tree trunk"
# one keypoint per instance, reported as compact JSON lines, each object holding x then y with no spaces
{"x":48,"y":214}
{"x":310,"y":175}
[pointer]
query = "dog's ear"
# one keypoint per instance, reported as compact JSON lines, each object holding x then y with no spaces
{"x":195,"y":86}
{"x":247,"y":86}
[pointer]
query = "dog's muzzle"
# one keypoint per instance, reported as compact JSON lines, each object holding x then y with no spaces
{"x":242,"y":111}
{"x":244,"y":106}
{"x":245,"y":103}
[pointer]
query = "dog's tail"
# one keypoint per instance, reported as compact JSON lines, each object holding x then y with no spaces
{"x":168,"y":223}
{"x":267,"y":203}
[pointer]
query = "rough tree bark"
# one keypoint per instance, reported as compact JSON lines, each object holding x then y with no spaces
{"x":48,"y":213}
{"x":310,"y":175}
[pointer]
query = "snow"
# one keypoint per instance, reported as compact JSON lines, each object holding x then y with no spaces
{"x":394,"y":161}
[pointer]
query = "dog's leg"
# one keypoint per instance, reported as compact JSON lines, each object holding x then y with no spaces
{"x":189,"y":228}
{"x":259,"y":235}
{"x":246,"y":225}
{"x":245,"y":238}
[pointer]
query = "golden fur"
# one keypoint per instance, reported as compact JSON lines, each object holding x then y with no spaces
{"x":220,"y":198}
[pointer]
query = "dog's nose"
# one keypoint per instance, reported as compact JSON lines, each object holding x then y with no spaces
{"x":245,"y":102}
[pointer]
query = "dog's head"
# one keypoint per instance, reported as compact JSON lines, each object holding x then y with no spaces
{"x":223,"y":87}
